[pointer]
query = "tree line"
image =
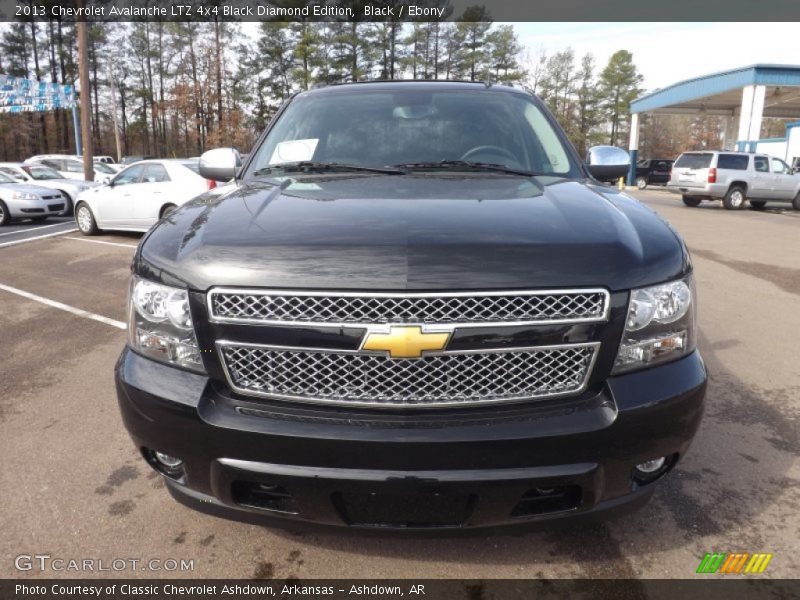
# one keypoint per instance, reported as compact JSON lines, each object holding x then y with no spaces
{"x":184,"y":87}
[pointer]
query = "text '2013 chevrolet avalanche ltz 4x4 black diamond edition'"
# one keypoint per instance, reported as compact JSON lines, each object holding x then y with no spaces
{"x":415,"y":307}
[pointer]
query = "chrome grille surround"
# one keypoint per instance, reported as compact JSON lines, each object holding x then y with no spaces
{"x":438,"y":379}
{"x":342,"y":309}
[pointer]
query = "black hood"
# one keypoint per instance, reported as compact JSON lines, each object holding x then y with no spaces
{"x":413,"y":232}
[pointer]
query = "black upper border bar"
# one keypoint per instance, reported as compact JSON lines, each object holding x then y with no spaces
{"x":404,"y":10}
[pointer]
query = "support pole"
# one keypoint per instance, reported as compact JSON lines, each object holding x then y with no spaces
{"x":744,"y":115}
{"x":113,"y":84}
{"x":633,"y":147}
{"x":76,"y":125}
{"x":759,"y":94}
{"x":86,"y":106}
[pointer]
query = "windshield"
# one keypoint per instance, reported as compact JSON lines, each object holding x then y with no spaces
{"x":42,"y":173}
{"x":417,"y":127}
{"x":6,"y":179}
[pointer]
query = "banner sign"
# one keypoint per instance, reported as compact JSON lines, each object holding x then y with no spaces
{"x":18,"y":94}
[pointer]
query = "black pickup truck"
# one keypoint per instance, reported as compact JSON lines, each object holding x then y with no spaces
{"x":653,"y":171}
{"x":414,"y":307}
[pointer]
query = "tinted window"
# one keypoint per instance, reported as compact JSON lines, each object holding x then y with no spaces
{"x":662,"y":165}
{"x":761,"y":164}
{"x":102,"y":168}
{"x":694,"y":160}
{"x":129,"y":175}
{"x":737,"y":162}
{"x":54,"y":164}
{"x":42,"y":173}
{"x":154,"y":174}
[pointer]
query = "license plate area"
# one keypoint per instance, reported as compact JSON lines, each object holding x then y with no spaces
{"x":404,"y":510}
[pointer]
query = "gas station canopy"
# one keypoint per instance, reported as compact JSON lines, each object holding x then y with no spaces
{"x":748,"y":94}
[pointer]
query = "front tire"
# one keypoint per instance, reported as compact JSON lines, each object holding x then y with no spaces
{"x":641,"y":182}
{"x":735,"y":198}
{"x":5,"y":216}
{"x":691,"y":201}
{"x":796,"y":202}
{"x":758,"y":204}
{"x":85,"y":220}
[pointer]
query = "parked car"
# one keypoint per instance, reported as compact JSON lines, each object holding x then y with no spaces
{"x":415,"y":308}
{"x":44,"y":176}
{"x":653,"y":171}
{"x":138,"y":196}
{"x":109,"y":160}
{"x":25,"y":201}
{"x":71,"y":167}
{"x":734,"y":178}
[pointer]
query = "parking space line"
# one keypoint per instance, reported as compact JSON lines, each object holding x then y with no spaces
{"x":77,"y":239}
{"x":17,"y":231}
{"x":66,"y":307}
{"x":38,"y":237}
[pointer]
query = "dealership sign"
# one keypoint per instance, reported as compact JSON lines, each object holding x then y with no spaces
{"x":28,"y":95}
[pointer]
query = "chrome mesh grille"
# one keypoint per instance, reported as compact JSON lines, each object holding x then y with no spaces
{"x":477,"y":308}
{"x":435,"y":380}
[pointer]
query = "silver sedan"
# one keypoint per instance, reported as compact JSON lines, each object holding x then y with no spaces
{"x":24,"y":201}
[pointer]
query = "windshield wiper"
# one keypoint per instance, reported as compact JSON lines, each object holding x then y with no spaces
{"x":467,"y":165}
{"x":322,"y":167}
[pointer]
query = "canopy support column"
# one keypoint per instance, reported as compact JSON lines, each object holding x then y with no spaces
{"x":633,"y":147}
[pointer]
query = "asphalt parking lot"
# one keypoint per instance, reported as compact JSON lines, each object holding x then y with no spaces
{"x":73,"y":486}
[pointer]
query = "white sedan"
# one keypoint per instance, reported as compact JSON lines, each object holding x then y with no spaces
{"x":140,"y":195}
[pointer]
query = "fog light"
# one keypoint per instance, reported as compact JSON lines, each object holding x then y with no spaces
{"x":170,"y":462}
{"x":651,"y":466}
{"x":165,"y":464}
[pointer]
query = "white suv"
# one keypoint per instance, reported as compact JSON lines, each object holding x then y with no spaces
{"x":734,"y":178}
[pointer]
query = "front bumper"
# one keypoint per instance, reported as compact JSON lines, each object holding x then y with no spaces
{"x":20,"y":209}
{"x":255,"y":460}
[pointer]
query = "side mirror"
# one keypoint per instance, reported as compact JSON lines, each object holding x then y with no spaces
{"x":608,"y":163}
{"x":220,"y":164}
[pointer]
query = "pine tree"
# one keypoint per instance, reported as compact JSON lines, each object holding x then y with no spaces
{"x":504,"y":51}
{"x":619,"y":86}
{"x":472,"y":28}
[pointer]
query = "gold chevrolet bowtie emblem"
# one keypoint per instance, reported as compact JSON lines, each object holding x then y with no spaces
{"x":405,"y":342}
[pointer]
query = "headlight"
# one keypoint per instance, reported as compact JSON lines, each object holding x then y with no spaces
{"x":25,"y":196}
{"x":160,"y":324}
{"x":660,"y":325}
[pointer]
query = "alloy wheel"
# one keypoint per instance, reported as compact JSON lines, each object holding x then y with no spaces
{"x":84,"y":219}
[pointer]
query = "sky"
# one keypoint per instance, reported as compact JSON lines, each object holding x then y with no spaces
{"x":666,"y":53}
